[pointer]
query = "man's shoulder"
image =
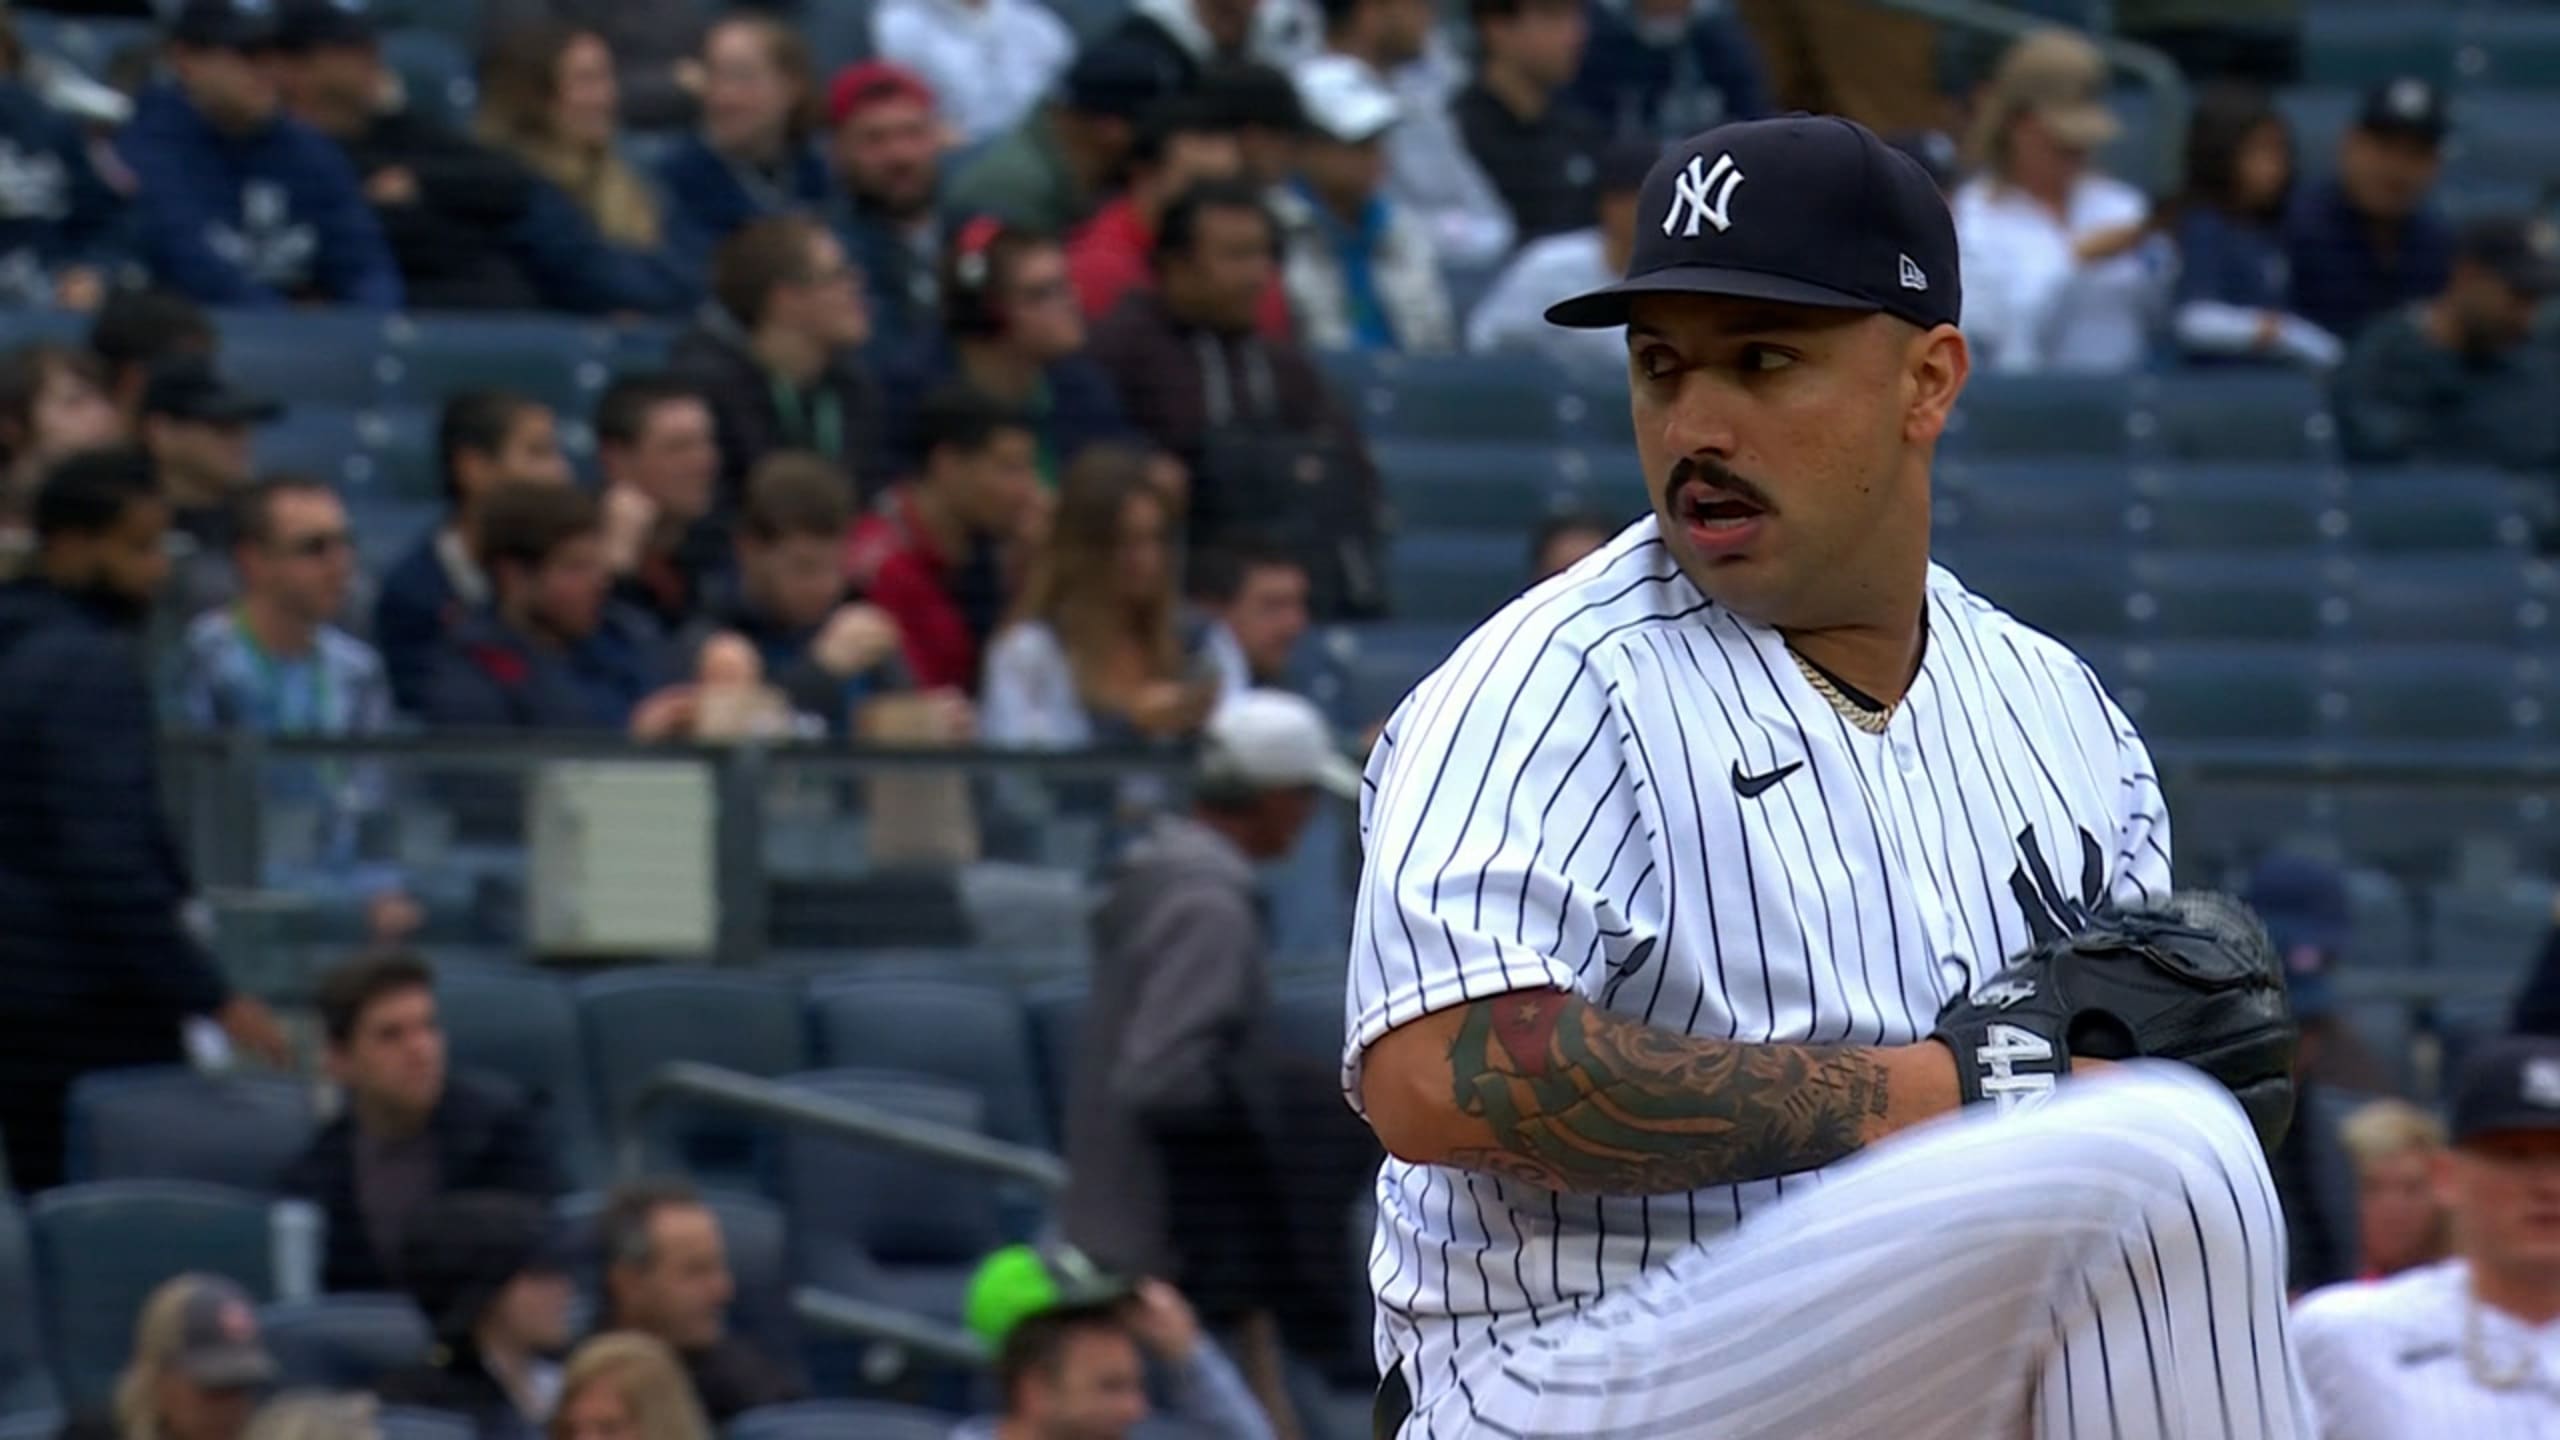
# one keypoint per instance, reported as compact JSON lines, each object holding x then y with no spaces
{"x":349,"y":657}
{"x":2401,"y":1305}
{"x":1570,"y":631}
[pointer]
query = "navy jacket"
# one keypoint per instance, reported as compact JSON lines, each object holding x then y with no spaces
{"x":1078,"y":407}
{"x":490,"y":677}
{"x":902,"y":285}
{"x":96,"y":967}
{"x":1661,"y":88}
{"x":2340,"y":281}
{"x":575,"y":268}
{"x":710,"y":198}
{"x":487,"y":1136}
{"x":2233,"y":260}
{"x":416,"y":608}
{"x":54,"y":210}
{"x":256,"y":220}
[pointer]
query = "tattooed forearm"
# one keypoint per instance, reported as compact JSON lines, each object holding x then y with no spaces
{"x":1582,"y":1100}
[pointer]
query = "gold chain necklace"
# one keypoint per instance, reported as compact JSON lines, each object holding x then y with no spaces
{"x":1873,"y":722}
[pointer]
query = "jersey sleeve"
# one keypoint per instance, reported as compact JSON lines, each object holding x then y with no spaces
{"x":2141,"y":862}
{"x":1506,"y":844}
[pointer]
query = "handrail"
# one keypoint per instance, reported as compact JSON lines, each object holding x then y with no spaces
{"x":831,"y":1115}
{"x":2157,"y":72}
{"x":839,"y":1314}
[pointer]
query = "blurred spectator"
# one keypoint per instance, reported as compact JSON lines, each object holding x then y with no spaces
{"x":1539,"y":148}
{"x":659,"y":458}
{"x":1049,"y":173}
{"x":2059,"y":273}
{"x":408,"y":1129}
{"x":137,"y":329}
{"x":624,"y":1386}
{"x":652,"y":50}
{"x":1561,"y":541}
{"x":1664,"y":70}
{"x":1072,"y":1347}
{"x":924,"y":553}
{"x":1251,"y":419}
{"x":752,"y":156}
{"x":1934,"y":151}
{"x":1183,"y":39}
{"x":1185,"y":140}
{"x":826,"y":655}
{"x":1260,"y":103}
{"x":2369,"y":239}
{"x":53,"y":402}
{"x":2248,"y":41}
{"x":1513,"y":314}
{"x":198,"y":1367}
{"x":2401,"y":1221}
{"x":61,"y":226}
{"x":1360,"y":273}
{"x":1091,"y":655}
{"x":2235,"y":290}
{"x":484,"y":439}
{"x":2304,"y":903}
{"x":2456,"y":1348}
{"x":99,"y":968}
{"x":666,"y":1276}
{"x":273,"y":663}
{"x":547,"y":98}
{"x":992,"y":61}
{"x":317,"y":1415}
{"x":551,"y":652}
{"x":1429,"y":170}
{"x":1255,"y":597}
{"x":239,"y":204}
{"x":493,"y":1277}
{"x":2457,"y":378}
{"x":888,"y":162}
{"x":473,"y":228}
{"x":197,"y":428}
{"x":778,"y":353}
{"x":1013,"y":331}
{"x":1850,"y":57}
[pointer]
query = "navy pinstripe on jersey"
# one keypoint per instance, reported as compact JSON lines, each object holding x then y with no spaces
{"x":1560,"y":805}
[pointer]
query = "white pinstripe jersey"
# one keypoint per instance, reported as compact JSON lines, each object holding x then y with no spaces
{"x":2393,"y":1358}
{"x":1580,"y":798}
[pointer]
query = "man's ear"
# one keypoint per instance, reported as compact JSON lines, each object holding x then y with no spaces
{"x":1937,"y":364}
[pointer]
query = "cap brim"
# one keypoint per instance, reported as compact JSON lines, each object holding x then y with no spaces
{"x":2511,"y":1118}
{"x":235,"y":1367}
{"x":1607,"y":306}
{"x":1338,"y":777}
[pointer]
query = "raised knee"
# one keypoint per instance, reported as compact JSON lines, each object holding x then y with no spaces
{"x":2174,"y":1115}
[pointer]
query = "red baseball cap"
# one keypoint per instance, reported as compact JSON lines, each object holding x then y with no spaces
{"x":866,"y":83}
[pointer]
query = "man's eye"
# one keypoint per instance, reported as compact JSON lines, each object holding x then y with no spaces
{"x":1762,"y":359}
{"x":1656,"y":363}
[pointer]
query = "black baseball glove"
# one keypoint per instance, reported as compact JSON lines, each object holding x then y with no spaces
{"x":2193,"y":978}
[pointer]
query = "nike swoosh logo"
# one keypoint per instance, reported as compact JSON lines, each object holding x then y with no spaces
{"x":1752,"y":787}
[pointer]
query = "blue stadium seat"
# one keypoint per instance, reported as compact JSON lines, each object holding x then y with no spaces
{"x":1487,"y":399}
{"x":761,"y":1263}
{"x":1306,"y":1019}
{"x":2220,"y":595}
{"x":2382,"y":929}
{"x":2319,"y":115}
{"x":459,"y":19}
{"x":839,"y":31}
{"x":101,"y":1250}
{"x":2074,"y":592}
{"x":409,"y":1422}
{"x":2394,"y":511}
{"x":1382,"y":663}
{"x":2233,"y":506}
{"x":176,"y":1123}
{"x":2498,"y":930}
{"x":386,"y":528}
{"x":26,"y":1374}
{"x":331,"y":364}
{"x":2440,"y":696}
{"x":2510,"y":136}
{"x":2360,"y":45}
{"x":26,"y":327}
{"x":2448,"y":599}
{"x":345,"y":1342}
{"x":638,"y":1021}
{"x":562,"y":363}
{"x":1055,"y":1010}
{"x":2019,"y":415}
{"x":1462,"y":485}
{"x":2508,"y":47}
{"x":523,"y":1025}
{"x":2257,"y":416}
{"x":90,"y":42}
{"x":43,"y":1424}
{"x":973,"y":1035}
{"x":2001,"y":501}
{"x":2254,"y":693}
{"x":881,"y":1225}
{"x":1459,"y":578}
{"x":839,"y":1419}
{"x":436,"y":71}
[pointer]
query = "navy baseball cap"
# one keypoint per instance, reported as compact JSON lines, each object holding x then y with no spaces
{"x":2509,"y":1083}
{"x":223,"y":24}
{"x":1802,"y":210}
{"x":302,"y":26}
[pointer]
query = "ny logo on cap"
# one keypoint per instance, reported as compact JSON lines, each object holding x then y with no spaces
{"x":1702,"y":194}
{"x":2542,"y":1082}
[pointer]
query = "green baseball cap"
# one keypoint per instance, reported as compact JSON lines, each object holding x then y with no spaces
{"x":1020,"y":1281}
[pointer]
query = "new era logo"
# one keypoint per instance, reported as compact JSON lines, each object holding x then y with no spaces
{"x":2542,"y":1083}
{"x":1913,"y":277}
{"x":1701,"y":194}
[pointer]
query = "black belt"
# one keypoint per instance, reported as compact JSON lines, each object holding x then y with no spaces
{"x":1393,"y":1406}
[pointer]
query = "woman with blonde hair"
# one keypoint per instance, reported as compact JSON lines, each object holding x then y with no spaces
{"x":752,"y":156}
{"x":624,"y":1385}
{"x":318,"y":1415}
{"x":549,"y":98}
{"x":198,"y":1366}
{"x":1092,"y":653}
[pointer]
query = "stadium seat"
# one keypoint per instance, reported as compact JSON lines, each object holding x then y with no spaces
{"x":1055,"y":1010}
{"x":2394,"y":511}
{"x":91,"y":43}
{"x":562,"y":363}
{"x":2319,"y":115}
{"x":522,"y":1025}
{"x":2498,"y":930}
{"x":100,"y":1251}
{"x":2507,"y":136}
{"x":2003,"y":501}
{"x":1035,"y":916}
{"x":2254,"y":416}
{"x":761,"y":1264}
{"x":176,"y":1123}
{"x":2075,"y":592}
{"x":26,"y":1375}
{"x":2178,"y":507}
{"x":1382,"y":663}
{"x":638,"y":1021}
{"x":2439,"y":696}
{"x":882,"y":1225}
{"x":1306,"y":1019}
{"x":436,"y":72}
{"x":385,"y":529}
{"x":330,"y":363}
{"x":2363,"y":45}
{"x":2518,"y":47}
{"x":1485,"y":399}
{"x":2255,"y":693}
{"x":2018,"y":415}
{"x":1456,"y":577}
{"x":345,"y":1342}
{"x":43,"y":1424}
{"x":2220,"y":595}
{"x":839,"y":1419}
{"x":2446,"y":599}
{"x":1442,"y":485}
{"x":970,"y":1034}
{"x":408,"y":1422}
{"x":2382,"y":931}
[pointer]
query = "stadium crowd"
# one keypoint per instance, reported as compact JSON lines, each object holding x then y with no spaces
{"x":985,"y":402}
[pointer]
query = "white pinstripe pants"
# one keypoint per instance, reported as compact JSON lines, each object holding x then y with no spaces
{"x":2109,"y":1266}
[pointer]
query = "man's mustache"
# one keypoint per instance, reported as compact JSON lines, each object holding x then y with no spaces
{"x":1715,"y":473}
